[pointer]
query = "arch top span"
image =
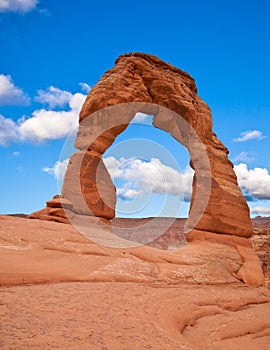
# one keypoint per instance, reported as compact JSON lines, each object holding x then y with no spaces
{"x":144,"y":83}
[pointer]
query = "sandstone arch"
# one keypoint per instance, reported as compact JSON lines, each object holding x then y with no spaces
{"x":149,"y":85}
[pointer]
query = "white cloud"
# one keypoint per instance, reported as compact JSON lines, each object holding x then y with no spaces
{"x":260,"y":210}
{"x":85,"y":87}
{"x":16,"y":154}
{"x":138,"y":176}
{"x":255,"y":183}
{"x":8,"y":131}
{"x":127,"y":193}
{"x":250,"y":135}
{"x":140,"y":118}
{"x":17,"y":5}
{"x":243,"y":157}
{"x":157,"y":177}
{"x":11,"y":94}
{"x":54,"y":97}
{"x":43,"y":124}
{"x":50,"y":125}
{"x":58,"y":170}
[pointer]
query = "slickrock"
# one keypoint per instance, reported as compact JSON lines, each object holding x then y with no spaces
{"x":119,"y":299}
{"x":36,"y":251}
{"x":124,"y":316}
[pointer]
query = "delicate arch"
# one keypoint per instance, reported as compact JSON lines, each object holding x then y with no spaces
{"x":143,"y":83}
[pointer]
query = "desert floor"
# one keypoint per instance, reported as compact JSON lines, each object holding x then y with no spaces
{"x":60,"y":292}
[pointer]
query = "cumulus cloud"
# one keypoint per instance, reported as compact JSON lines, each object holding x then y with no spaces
{"x":43,"y":124}
{"x":250,"y":135}
{"x":8,"y":131}
{"x":53,"y":97}
{"x":127,"y":193}
{"x":11,"y":94}
{"x":254,"y":183}
{"x":85,"y":87}
{"x":58,"y":170}
{"x":260,"y":210}
{"x":49,"y":125}
{"x":154,"y":176}
{"x":21,"y":6}
{"x":243,"y":157}
{"x":140,"y":117}
{"x":133,"y":177}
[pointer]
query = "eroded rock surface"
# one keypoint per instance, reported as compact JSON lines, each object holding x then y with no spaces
{"x":154,"y":87}
{"x":36,"y":251}
{"x":135,"y":298}
{"x":57,"y":209}
{"x":174,"y":236}
{"x":143,"y":83}
{"x":172,"y":233}
{"x":261,"y":243}
{"x":124,"y":316}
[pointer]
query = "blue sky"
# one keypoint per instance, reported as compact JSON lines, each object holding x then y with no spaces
{"x":52,"y":52}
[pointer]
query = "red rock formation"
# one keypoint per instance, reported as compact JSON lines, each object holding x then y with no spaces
{"x":97,"y":187}
{"x":172,"y":231}
{"x":58,"y":209}
{"x":261,"y":243}
{"x":261,"y":222}
{"x":144,"y":83}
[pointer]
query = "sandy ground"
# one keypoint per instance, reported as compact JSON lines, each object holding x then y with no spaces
{"x":61,"y":291}
{"x":124,"y":316}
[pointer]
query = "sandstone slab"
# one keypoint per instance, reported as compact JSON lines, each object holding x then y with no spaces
{"x":36,"y":251}
{"x":191,"y":298}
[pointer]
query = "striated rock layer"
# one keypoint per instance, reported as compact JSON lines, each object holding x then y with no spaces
{"x":154,"y":87}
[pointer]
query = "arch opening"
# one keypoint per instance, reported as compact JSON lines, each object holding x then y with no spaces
{"x":88,"y":184}
{"x":150,"y":171}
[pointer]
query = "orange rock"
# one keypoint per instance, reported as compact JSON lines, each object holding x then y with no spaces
{"x":250,"y":271}
{"x":261,"y":243}
{"x":59,"y":202}
{"x":144,"y":83}
{"x":53,"y":214}
{"x":35,"y":251}
{"x":89,"y":187}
